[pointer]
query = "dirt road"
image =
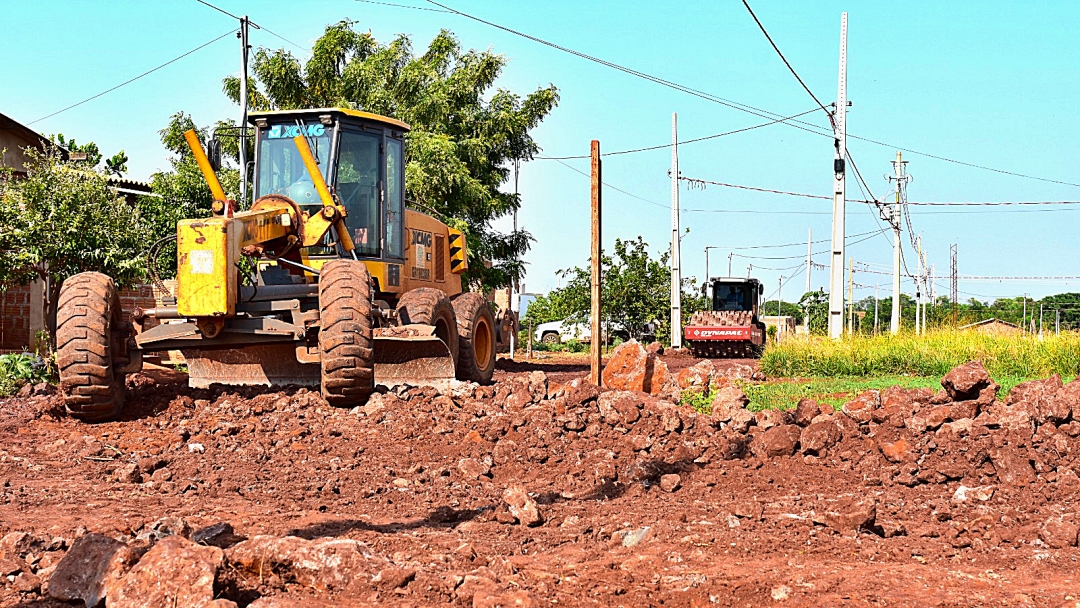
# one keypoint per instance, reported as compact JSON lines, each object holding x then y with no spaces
{"x":640,"y":503}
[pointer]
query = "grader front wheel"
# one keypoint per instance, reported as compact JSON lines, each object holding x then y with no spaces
{"x":87,"y":321}
{"x":476,"y":337}
{"x":345,"y":335}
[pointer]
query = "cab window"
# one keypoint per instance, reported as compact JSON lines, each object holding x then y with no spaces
{"x":282,"y":170}
{"x":395,"y":198}
{"x":358,"y":188}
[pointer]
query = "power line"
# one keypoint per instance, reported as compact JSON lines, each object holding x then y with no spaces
{"x":701,"y":183}
{"x":127,"y":82}
{"x":415,"y":8}
{"x":251,"y":23}
{"x":850,"y":236}
{"x":742,"y":107}
{"x":630,"y":194}
{"x":681,"y":143}
{"x":788,"y":63}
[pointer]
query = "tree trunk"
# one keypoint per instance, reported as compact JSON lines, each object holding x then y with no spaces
{"x":52,"y":291}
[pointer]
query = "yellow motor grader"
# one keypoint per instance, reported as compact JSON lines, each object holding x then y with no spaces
{"x":350,"y":289}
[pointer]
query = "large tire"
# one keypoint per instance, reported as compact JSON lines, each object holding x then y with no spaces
{"x":476,"y":337}
{"x":550,"y":338}
{"x":88,"y":316}
{"x":431,"y":307}
{"x":345,"y":337}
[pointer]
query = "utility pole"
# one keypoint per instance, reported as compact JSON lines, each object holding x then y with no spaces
{"x":918,"y":287}
{"x":244,"y":47}
{"x":729,"y":256}
{"x":851,"y":297}
{"x":596,"y":340}
{"x":707,"y":281}
{"x":1023,"y":319}
{"x":836,"y":277}
{"x":875,"y":309}
{"x":901,"y":179}
{"x":515,"y":298}
{"x":1040,"y":320}
{"x":809,"y":267}
{"x":779,"y":288}
{"x":1057,"y":322}
{"x":954,"y":293}
{"x":676,"y":273}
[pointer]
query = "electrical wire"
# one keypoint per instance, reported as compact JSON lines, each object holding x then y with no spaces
{"x":742,"y":107}
{"x":129,"y":81}
{"x":788,"y":64}
{"x":681,"y":143}
{"x":630,"y":194}
{"x":251,"y":23}
{"x":415,"y":8}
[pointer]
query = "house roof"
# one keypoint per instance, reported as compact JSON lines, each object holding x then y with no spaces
{"x":989,"y":321}
{"x":10,"y":124}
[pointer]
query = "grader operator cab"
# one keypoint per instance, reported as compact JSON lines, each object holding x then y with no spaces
{"x":350,"y":289}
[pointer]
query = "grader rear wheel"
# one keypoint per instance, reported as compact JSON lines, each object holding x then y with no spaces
{"x":476,"y":337}
{"x":431,"y":307}
{"x":87,"y":323}
{"x":345,"y":336}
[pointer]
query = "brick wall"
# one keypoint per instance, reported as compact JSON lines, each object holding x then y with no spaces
{"x":15,"y":311}
{"x":15,"y":319}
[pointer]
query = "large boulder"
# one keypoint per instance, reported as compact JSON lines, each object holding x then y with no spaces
{"x":323,"y":563}
{"x":806,"y":411}
{"x":966,"y":381}
{"x":626,"y":369}
{"x":620,"y":407}
{"x":92,"y":567}
{"x":727,"y":402}
{"x":780,"y":440}
{"x":175,"y":572}
{"x":696,"y":377}
{"x":861,"y":408}
{"x":818,"y":437}
{"x":1039,"y":399}
{"x":522,"y":506}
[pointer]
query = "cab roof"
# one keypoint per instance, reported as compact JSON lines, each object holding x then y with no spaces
{"x":386,"y":120}
{"x":733,"y":280}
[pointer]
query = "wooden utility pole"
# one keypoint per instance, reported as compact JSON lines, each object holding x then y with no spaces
{"x":597,"y":332}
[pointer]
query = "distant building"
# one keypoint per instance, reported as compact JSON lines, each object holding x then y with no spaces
{"x":785,"y":325}
{"x":995,"y":327}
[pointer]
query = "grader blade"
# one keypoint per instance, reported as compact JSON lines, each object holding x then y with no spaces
{"x":413,"y":355}
{"x":251,"y":364}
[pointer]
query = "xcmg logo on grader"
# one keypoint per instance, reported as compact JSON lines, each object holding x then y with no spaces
{"x":421,"y":243}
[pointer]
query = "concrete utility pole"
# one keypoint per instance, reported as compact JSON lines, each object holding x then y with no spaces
{"x":596,"y":340}
{"x":1023,"y":320}
{"x":901,"y":179}
{"x":779,"y":326}
{"x":851,"y":296}
{"x":1057,"y":322}
{"x":809,"y":267}
{"x":875,"y":309}
{"x":1040,"y":319}
{"x":676,"y":271}
{"x":515,"y":298}
{"x":707,"y":282}
{"x":954,"y":293}
{"x":836,"y":277}
{"x":729,"y":256}
{"x":918,"y":286}
{"x":244,"y":47}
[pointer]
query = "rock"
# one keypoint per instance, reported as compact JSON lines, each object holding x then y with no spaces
{"x":217,"y":535}
{"x":619,"y":407}
{"x":522,"y":506}
{"x":1034,"y":397}
{"x":860,"y":408}
{"x":472,"y":468}
{"x":766,"y":419}
{"x":898,"y":396}
{"x":805,"y":411}
{"x":727,"y":402}
{"x":781,"y":593}
{"x":19,"y":544}
{"x":965,"y":409}
{"x":1070,"y":395}
{"x":632,"y":538}
{"x":326,"y":563}
{"x":1058,"y":407}
{"x":626,"y":369}
{"x":288,"y":601}
{"x":581,"y":394}
{"x":696,"y":377}
{"x":1058,"y":533}
{"x":940,"y":398}
{"x":930,"y":420}
{"x":741,"y":421}
{"x":980,"y":493}
{"x":1013,"y":465}
{"x":92,"y":567}
{"x":165,"y":527}
{"x":658,"y":380}
{"x":851,"y":515}
{"x":492,"y":598}
{"x":750,"y":509}
{"x":818,"y":437}
{"x":128,"y":473}
{"x":175,"y":572}
{"x":896,"y":451}
{"x":670,"y":482}
{"x":965,"y":381}
{"x":393,"y":577}
{"x":42,"y":389}
{"x":781,"y":440}
{"x":12,"y":565}
{"x":26,"y":391}
{"x":26,"y":582}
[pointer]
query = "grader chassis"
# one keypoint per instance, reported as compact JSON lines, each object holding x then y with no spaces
{"x":352,"y":289}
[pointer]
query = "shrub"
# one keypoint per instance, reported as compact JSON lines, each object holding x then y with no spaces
{"x":22,"y":368}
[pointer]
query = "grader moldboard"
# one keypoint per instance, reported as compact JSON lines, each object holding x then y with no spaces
{"x":351,"y":288}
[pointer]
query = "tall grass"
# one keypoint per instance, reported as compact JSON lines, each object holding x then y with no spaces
{"x":932,"y":354}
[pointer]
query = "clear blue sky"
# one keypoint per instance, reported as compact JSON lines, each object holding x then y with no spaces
{"x":993,"y":84}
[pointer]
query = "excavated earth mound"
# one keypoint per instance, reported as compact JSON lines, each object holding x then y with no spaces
{"x":532,"y":492}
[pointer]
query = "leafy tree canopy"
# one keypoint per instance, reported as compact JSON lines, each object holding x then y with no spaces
{"x":464,"y":138}
{"x":114,"y":165}
{"x":62,"y":219}
{"x":635,"y":289}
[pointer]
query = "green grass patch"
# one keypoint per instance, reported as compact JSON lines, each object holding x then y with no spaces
{"x":931,"y":355}
{"x":834,"y":391}
{"x":18,"y":369}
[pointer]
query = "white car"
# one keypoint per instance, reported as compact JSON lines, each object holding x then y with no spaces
{"x":555,"y":332}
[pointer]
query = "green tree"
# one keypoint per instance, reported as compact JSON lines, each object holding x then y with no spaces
{"x":464,"y":136}
{"x":635,"y":290}
{"x":114,"y":165}
{"x":61,"y":220}
{"x":816,"y":304}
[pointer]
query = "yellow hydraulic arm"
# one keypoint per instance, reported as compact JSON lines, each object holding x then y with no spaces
{"x":332,"y":213}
